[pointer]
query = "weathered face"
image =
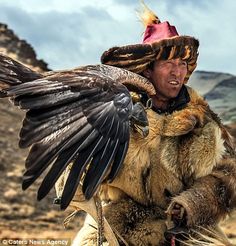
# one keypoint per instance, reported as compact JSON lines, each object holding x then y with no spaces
{"x":167,"y":77}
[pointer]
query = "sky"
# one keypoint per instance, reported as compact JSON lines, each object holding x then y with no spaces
{"x":71,"y":33}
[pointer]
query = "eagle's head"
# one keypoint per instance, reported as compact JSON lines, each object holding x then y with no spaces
{"x":139,"y":120}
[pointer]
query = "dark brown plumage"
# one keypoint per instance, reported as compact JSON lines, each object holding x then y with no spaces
{"x":78,"y":116}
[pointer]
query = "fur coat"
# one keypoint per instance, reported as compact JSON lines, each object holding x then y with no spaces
{"x":184,"y":159}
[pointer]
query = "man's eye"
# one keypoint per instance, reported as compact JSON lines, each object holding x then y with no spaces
{"x":184,"y":63}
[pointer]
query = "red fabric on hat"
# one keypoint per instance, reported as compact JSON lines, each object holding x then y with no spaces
{"x":157,"y":32}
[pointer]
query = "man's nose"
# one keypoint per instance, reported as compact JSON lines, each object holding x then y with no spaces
{"x":176,"y":70}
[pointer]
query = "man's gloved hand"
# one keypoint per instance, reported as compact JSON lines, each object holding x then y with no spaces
{"x":176,"y":222}
{"x":177,"y":214}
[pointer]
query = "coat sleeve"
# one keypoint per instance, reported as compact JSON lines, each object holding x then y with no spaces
{"x":211,"y":197}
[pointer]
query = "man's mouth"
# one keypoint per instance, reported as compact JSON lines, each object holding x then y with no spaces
{"x":173,"y":82}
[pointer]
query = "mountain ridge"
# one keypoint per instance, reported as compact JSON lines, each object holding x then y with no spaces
{"x":20,"y":49}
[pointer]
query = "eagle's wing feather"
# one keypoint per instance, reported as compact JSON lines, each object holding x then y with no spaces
{"x":14,"y":73}
{"x":80,"y":117}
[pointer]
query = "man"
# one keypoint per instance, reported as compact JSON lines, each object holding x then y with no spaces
{"x":181,"y":179}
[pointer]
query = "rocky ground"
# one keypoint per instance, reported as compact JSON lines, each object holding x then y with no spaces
{"x":21,"y":217}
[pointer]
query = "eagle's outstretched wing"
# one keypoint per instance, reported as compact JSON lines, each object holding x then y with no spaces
{"x":78,"y":116}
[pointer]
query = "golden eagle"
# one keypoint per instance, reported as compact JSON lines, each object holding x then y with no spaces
{"x":80,"y":116}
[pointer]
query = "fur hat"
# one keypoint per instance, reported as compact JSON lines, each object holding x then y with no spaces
{"x":161,"y":42}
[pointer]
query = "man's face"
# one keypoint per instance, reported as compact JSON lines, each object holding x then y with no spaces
{"x":167,"y":77}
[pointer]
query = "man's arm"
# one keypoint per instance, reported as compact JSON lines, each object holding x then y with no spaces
{"x":211,"y":197}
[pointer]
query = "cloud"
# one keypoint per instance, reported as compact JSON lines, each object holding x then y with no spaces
{"x":62,"y":39}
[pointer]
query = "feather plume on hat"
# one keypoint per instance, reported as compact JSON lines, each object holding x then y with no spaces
{"x":147,"y":16}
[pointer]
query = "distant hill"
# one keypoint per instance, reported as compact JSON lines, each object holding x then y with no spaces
{"x":220,"y":91}
{"x":204,"y":81}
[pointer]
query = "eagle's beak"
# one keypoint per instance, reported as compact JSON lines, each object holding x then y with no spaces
{"x":143,"y":130}
{"x":139,"y":119}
